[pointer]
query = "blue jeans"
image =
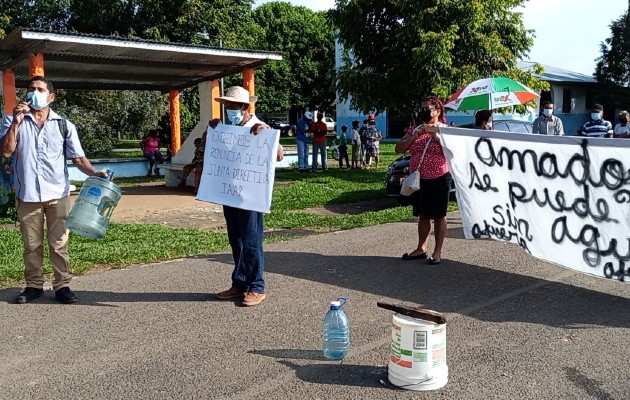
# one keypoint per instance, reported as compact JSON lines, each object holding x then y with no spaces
{"x":319,"y":148}
{"x":302,"y":150}
{"x":245,"y":233}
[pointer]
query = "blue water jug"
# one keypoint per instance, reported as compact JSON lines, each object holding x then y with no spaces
{"x":94,"y":205}
{"x":336,"y":337}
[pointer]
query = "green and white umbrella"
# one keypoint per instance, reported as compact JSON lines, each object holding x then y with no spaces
{"x":491,"y":93}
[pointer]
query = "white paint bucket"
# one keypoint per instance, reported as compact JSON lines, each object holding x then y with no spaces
{"x":418,"y":354}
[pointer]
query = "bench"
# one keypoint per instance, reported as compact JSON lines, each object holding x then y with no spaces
{"x":172,"y":172}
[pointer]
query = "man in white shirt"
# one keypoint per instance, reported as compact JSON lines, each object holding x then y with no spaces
{"x":34,"y":133}
{"x":547,"y":123}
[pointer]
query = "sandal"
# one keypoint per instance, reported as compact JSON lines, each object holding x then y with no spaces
{"x":433,"y":261}
{"x":420,"y":256}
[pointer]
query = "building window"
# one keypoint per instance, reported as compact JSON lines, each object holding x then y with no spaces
{"x":567,"y":101}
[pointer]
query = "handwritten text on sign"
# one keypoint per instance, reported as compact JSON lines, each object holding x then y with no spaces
{"x":239,"y":167}
{"x":564,"y":199}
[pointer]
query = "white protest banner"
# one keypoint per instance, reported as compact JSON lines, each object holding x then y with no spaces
{"x":563,"y":199}
{"x":239,"y":167}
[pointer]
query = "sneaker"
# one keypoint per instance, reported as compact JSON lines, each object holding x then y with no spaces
{"x":253,"y":299}
{"x":29,"y":294}
{"x":231,"y":293}
{"x":66,"y":296}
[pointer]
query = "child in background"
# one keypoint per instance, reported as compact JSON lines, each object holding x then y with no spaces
{"x":197,"y":161}
{"x":356,"y":145}
{"x":344,"y":139}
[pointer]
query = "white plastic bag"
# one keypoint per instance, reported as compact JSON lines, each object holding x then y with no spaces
{"x":410,"y":184}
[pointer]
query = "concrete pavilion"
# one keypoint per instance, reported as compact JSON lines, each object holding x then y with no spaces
{"x":85,"y":61}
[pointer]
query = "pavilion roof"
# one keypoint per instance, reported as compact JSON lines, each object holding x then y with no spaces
{"x":86,"y":61}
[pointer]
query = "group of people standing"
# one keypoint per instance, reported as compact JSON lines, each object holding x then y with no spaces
{"x":308,"y":131}
{"x":549,"y":124}
{"x":42,"y":183}
{"x":363,"y":143}
{"x":33,"y":135}
{"x":596,"y":126}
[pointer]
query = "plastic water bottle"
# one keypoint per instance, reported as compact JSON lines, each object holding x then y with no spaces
{"x":336,"y":337}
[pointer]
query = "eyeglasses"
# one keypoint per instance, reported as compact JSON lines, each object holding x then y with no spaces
{"x":427,"y":109}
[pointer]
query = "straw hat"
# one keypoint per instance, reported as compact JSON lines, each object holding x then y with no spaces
{"x":237,"y":94}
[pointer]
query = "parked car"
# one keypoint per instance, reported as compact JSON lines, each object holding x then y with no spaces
{"x":399,"y":168}
{"x":286,"y":129}
{"x":331,"y":125}
{"x":508,"y":125}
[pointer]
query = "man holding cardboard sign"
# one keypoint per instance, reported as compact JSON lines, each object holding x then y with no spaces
{"x":237,"y":169}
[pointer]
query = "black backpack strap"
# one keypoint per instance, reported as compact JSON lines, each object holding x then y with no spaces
{"x":63,"y":128}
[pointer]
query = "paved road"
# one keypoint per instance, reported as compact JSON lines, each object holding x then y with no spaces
{"x":518,"y":328}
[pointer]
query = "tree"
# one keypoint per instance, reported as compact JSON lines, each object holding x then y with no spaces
{"x":613,"y":66}
{"x":396,"y":52}
{"x":612,"y":70}
{"x":305,"y":76}
{"x":127,"y":113}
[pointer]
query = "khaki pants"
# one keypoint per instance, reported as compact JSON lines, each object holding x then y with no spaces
{"x":32,"y":227}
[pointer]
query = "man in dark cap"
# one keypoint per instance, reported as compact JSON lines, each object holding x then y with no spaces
{"x":597,"y":126}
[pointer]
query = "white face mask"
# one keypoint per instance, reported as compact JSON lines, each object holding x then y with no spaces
{"x":489,"y":125}
{"x":547,"y":112}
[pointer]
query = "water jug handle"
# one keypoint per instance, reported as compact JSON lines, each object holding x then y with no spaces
{"x":342,"y":300}
{"x":105,"y":208}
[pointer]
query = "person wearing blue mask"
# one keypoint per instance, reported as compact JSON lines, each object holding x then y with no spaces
{"x":40,"y":141}
{"x":244,"y":227}
{"x":597,"y":126}
{"x":547,"y":123}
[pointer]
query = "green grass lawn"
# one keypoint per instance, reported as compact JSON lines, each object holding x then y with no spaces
{"x":127,"y":244}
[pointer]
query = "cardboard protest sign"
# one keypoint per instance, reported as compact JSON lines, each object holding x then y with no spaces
{"x":239,"y":167}
{"x":563,"y":199}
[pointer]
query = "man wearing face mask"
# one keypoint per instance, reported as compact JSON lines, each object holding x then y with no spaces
{"x":34,"y":136}
{"x":597,"y":126}
{"x":547,"y":123}
{"x":244,"y":227}
{"x":622,"y":129}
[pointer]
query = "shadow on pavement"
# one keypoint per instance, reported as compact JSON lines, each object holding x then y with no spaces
{"x":340,"y":374}
{"x":108,"y":299}
{"x":293,"y":354}
{"x":451,"y":287}
{"x":455,"y":287}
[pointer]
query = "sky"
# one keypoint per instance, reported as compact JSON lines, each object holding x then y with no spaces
{"x":568,"y":32}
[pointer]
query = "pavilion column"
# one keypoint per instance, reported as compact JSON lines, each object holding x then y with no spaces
{"x":36,"y":65}
{"x":175,"y":120}
{"x":216,"y":106}
{"x":248,"y":83}
{"x":10,"y":96}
